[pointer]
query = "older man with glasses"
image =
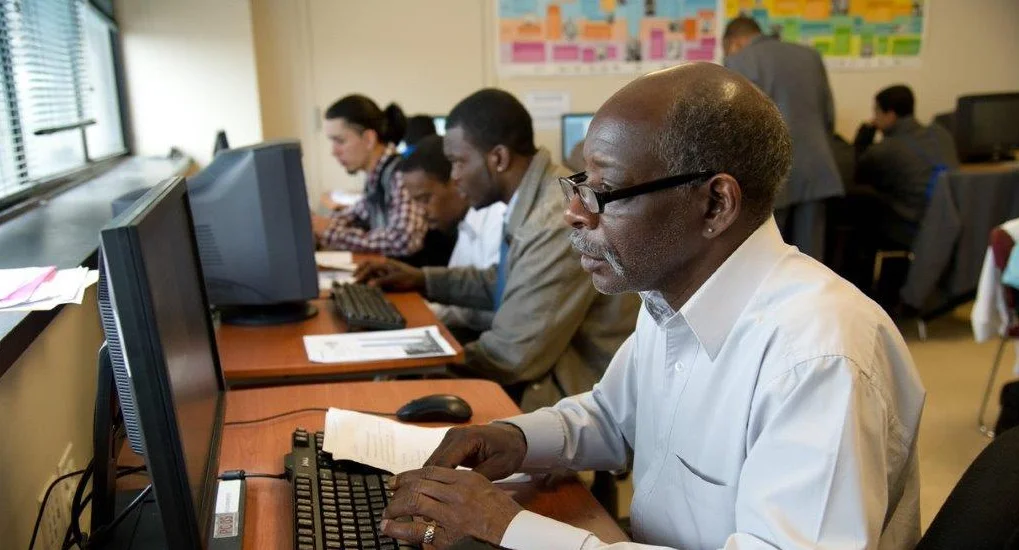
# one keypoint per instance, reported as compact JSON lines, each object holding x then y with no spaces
{"x":763,"y":402}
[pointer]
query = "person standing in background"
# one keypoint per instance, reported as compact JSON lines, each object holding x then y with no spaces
{"x":794,"y":77}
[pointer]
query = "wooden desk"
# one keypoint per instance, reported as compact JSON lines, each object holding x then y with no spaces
{"x":989,"y":167}
{"x":275,"y":354}
{"x":260,"y":448}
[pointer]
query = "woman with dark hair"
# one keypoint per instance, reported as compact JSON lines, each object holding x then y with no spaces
{"x":385,"y":221}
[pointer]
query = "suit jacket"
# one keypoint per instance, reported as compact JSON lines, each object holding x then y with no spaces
{"x":553,"y":330}
{"x":794,"y":78}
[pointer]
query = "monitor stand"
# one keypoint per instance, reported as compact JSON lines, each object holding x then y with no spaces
{"x":142,"y":528}
{"x":275,"y":314}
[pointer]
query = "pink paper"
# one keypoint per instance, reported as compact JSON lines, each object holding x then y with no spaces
{"x":25,"y":291}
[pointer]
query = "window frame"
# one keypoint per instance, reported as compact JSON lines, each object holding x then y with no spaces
{"x":44,"y":188}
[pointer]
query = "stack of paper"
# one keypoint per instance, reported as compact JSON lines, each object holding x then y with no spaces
{"x":43,"y":288}
{"x":382,"y":345}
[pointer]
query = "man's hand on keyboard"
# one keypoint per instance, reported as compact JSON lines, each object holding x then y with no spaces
{"x":494,"y":451}
{"x":460,"y":502}
{"x":391,"y":275}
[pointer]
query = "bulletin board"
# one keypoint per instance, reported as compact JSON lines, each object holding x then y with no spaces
{"x":850,"y":34}
{"x":584,"y":37}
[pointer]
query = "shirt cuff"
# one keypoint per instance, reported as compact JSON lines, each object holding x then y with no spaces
{"x":529,"y":531}
{"x":546,"y":438}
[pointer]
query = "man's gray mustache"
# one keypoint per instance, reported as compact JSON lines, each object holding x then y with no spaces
{"x":581,"y":245}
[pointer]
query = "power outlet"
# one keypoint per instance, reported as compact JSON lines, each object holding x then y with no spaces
{"x":57,"y":515}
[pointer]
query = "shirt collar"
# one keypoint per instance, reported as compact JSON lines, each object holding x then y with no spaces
{"x":713,"y":310}
{"x":509,"y":206}
{"x":528,"y":191}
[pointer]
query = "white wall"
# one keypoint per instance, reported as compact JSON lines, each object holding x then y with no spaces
{"x":972,"y":47}
{"x":190,"y":67}
{"x":427,"y":56}
{"x":47,"y":400}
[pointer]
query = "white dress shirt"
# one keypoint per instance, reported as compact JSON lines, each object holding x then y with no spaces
{"x":477,"y":241}
{"x":477,"y":245}
{"x":778,"y":408}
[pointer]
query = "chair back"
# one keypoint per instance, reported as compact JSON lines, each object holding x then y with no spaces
{"x":982,"y":511}
{"x":1001,"y":248}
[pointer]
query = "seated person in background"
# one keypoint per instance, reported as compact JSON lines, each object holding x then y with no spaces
{"x":763,"y":402}
{"x":900,"y":168}
{"x":418,"y":128}
{"x":553,"y":334}
{"x":385,"y":221}
{"x":426,"y":175}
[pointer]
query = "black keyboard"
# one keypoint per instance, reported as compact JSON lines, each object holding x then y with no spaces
{"x":338,"y":504}
{"x":365,"y":307}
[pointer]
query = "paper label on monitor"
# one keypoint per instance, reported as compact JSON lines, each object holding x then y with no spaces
{"x":228,"y":503}
{"x":228,"y":499}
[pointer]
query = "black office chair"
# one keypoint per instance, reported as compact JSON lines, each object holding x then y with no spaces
{"x":982,"y":512}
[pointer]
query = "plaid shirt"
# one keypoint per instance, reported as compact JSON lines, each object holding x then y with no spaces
{"x":404,"y":231}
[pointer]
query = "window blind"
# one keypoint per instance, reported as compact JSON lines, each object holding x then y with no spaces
{"x":44,"y":90}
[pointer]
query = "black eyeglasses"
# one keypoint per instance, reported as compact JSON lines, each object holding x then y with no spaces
{"x":595,"y":201}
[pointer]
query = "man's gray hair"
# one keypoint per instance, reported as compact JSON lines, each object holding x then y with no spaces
{"x":739,"y":132}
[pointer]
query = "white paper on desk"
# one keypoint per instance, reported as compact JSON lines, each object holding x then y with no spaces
{"x":344,"y":198}
{"x":380,"y":345}
{"x":379,"y":442}
{"x":327,"y":278}
{"x":336,"y":259}
{"x":383,"y":443}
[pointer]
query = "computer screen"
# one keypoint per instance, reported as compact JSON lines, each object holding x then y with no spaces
{"x":253,"y":226}
{"x":574,"y":128}
{"x":162,"y":347}
{"x":440,"y":125}
{"x":987,"y":126}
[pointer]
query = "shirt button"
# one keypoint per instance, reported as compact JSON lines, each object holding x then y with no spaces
{"x":679,"y":366}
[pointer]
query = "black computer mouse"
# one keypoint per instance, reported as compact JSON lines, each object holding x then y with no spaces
{"x":436,"y":408}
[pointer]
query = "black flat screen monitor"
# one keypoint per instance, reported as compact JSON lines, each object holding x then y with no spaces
{"x":161,"y":344}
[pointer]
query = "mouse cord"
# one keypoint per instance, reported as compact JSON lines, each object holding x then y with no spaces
{"x":299,"y":411}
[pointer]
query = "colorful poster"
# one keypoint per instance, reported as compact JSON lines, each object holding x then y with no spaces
{"x":850,"y":34}
{"x":582,"y":37}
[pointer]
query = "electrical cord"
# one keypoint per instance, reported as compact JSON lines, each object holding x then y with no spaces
{"x":102,"y":531}
{"x":46,"y":497}
{"x":298,"y":411}
{"x":74,"y":535}
{"x":230,"y":475}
